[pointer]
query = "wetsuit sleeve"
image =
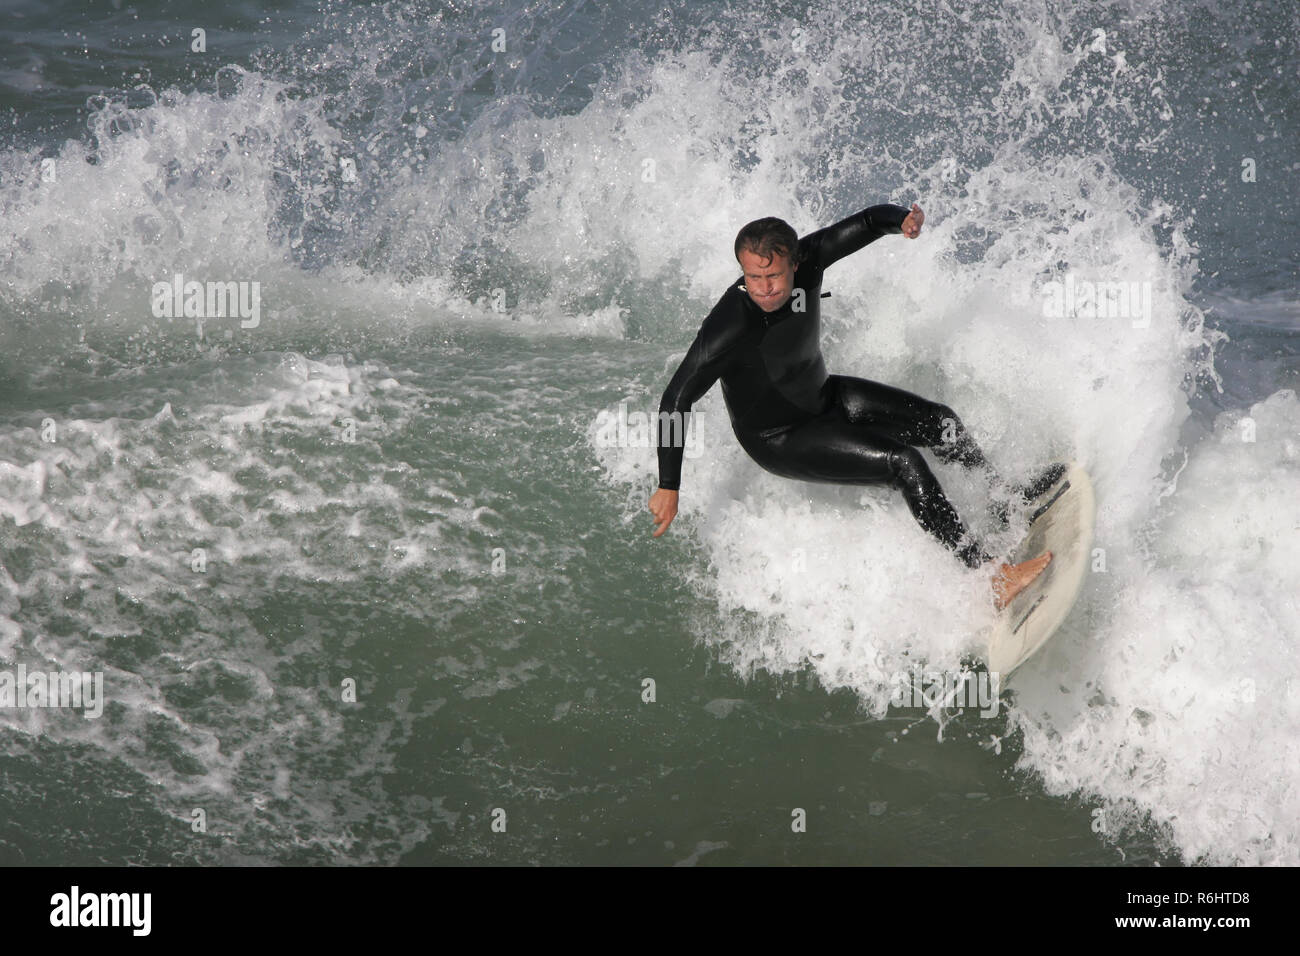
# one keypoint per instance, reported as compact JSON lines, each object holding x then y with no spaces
{"x":849,"y":235}
{"x":704,"y":363}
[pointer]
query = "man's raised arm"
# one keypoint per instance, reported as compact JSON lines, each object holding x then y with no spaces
{"x":847,"y":236}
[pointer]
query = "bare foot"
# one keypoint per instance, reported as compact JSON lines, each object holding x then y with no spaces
{"x":1011,"y":579}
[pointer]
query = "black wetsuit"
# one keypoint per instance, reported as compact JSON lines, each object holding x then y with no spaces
{"x":797,"y":421}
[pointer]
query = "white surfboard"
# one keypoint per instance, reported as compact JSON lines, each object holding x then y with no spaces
{"x":1061,"y":522}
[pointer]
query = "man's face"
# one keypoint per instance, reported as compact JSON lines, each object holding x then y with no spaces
{"x":769,"y":282}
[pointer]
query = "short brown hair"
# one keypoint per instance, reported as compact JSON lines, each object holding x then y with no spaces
{"x":765,"y":237}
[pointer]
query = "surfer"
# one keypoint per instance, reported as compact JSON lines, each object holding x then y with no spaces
{"x":763,"y":340}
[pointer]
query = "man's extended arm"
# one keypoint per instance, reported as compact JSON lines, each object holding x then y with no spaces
{"x":704,"y":363}
{"x":849,"y":235}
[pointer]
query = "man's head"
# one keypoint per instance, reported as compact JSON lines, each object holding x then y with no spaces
{"x":766,"y":250}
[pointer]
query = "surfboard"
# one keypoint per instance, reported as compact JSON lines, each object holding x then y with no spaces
{"x":1061,"y":522}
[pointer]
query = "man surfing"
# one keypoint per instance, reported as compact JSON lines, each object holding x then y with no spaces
{"x":763,"y":340}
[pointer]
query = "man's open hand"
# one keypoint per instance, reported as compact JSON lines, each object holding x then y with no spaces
{"x":663,"y":505}
{"x":912,"y":224}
